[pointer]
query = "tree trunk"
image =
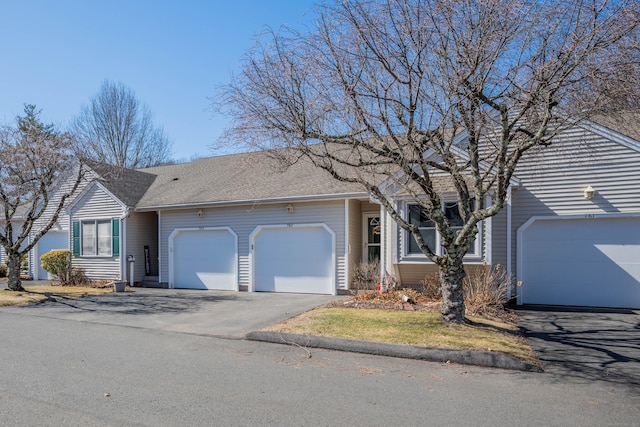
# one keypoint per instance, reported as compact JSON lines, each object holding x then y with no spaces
{"x":451,"y":275}
{"x":13,"y":272}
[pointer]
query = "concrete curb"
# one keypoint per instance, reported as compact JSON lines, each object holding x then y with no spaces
{"x":464,"y":357}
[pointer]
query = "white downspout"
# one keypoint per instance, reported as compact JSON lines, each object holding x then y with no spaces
{"x":383,"y":244}
{"x":509,"y":238}
{"x":123,"y":244}
{"x":160,"y":246}
{"x":347,"y":247}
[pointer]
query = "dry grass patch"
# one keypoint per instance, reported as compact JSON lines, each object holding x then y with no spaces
{"x":418,"y":328}
{"x":36,"y":294}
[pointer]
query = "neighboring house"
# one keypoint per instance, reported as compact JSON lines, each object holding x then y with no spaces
{"x":569,"y":234}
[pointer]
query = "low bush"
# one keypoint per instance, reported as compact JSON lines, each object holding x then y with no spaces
{"x":76,"y":277}
{"x":3,"y":270}
{"x":366,"y":276}
{"x":485,"y":289}
{"x":430,"y":286}
{"x":58,"y":263}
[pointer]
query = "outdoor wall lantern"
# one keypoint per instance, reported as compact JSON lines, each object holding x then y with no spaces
{"x":200,"y":213}
{"x":589,"y":193}
{"x":290,"y":208}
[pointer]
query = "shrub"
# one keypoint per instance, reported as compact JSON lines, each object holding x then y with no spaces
{"x":58,"y":263}
{"x":366,"y":276}
{"x":431,"y":287}
{"x":76,"y":277}
{"x":485,"y":289}
{"x":3,"y":270}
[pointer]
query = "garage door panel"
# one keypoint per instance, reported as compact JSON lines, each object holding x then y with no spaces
{"x":293,"y":259}
{"x":589,"y":262}
{"x":48,"y":242}
{"x":205,"y":259}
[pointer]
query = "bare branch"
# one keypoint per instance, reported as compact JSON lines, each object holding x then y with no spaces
{"x":408,"y":94}
{"x":35,"y":161}
{"x":117,"y":129}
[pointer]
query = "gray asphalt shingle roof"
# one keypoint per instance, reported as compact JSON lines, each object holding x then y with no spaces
{"x":236,"y":178}
{"x":624,"y":122}
{"x":128,"y":185}
{"x":250,"y":177}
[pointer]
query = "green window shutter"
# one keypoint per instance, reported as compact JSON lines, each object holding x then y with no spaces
{"x":76,"y":238}
{"x":115,"y":237}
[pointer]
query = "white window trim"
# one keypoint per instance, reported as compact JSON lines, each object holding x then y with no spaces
{"x":95,"y":221}
{"x":407,"y":257}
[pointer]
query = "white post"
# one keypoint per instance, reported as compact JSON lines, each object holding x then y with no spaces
{"x":132,"y":261}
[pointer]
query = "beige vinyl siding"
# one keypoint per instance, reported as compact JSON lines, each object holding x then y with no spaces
{"x":553,"y":179}
{"x":411,"y":274}
{"x":95,"y":203}
{"x":244,"y":219}
{"x":357,"y":230}
{"x":355,"y":235}
{"x":142,"y":230}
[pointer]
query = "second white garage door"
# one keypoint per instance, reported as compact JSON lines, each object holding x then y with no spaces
{"x":50,"y":241}
{"x":585,"y":262}
{"x":204,"y":259}
{"x":298,"y":258}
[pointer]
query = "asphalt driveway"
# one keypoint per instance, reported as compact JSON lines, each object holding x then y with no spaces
{"x":225,"y":314}
{"x":599,"y":344}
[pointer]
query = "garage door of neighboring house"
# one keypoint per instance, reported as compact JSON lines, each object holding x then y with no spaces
{"x":204,"y":259}
{"x":50,"y":241}
{"x":295,"y":258}
{"x":591,"y":261}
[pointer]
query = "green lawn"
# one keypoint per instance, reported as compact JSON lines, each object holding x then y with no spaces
{"x":419,"y":328}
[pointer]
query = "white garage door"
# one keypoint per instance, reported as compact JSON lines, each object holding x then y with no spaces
{"x":50,"y":241}
{"x":204,"y":259}
{"x":294,"y":259}
{"x":586,"y":262}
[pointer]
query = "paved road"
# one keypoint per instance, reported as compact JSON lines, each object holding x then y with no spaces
{"x":598,"y":344}
{"x":56,"y":371}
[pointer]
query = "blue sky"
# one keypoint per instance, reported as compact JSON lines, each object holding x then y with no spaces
{"x":172,"y":54}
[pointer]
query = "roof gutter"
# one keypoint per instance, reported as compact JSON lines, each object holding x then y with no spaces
{"x":338,"y":196}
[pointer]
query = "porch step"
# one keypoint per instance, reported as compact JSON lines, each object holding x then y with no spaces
{"x":152,"y":282}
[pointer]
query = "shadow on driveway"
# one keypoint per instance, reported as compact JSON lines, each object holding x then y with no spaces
{"x":140,"y":302}
{"x":599,"y":344}
{"x":226,"y":314}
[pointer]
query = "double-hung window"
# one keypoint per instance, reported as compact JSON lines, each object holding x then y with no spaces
{"x":96,"y":237}
{"x":428,"y":230}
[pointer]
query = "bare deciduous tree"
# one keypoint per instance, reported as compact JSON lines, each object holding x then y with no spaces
{"x":397,"y":95}
{"x":35,"y":162}
{"x":117,"y":129}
